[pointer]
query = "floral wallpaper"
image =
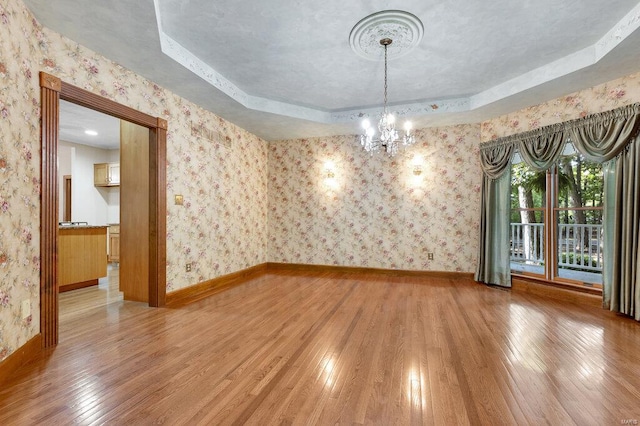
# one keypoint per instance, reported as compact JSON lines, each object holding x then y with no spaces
{"x":607,"y":96}
{"x":374,"y":211}
{"x":247,"y":201}
{"x":219,"y":168}
{"x":19,"y":180}
{"x":221,"y":171}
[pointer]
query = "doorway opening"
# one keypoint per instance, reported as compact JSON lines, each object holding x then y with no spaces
{"x":89,"y":159}
{"x":52,"y":91}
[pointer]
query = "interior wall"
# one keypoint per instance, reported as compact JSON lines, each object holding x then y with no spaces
{"x":19,"y":178}
{"x":375,"y":212}
{"x":112,"y":197}
{"x":88,"y":203}
{"x":65,"y":154}
{"x":604,"y":97}
{"x":220,"y":228}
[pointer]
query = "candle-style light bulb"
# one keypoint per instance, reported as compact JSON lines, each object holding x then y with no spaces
{"x":391,"y":119}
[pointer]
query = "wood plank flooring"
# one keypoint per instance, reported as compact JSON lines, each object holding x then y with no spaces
{"x":287,"y":348}
{"x":79,"y":302}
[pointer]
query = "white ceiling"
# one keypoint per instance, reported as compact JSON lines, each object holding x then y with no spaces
{"x":75,"y":120}
{"x":284,"y":68}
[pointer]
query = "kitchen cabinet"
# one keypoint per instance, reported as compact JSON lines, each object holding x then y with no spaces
{"x":82,"y":254}
{"x":114,"y":243}
{"x":106,"y":174}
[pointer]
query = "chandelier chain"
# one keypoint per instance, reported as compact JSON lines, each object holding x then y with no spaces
{"x":385,"y":78}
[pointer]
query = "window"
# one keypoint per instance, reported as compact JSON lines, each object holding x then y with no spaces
{"x":556,"y":220}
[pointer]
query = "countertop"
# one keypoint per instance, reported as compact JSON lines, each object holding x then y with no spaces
{"x":81,"y":226}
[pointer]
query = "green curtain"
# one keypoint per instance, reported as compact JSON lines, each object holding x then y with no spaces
{"x":623,"y":291}
{"x":608,"y":226}
{"x":493,"y":255}
{"x":610,"y":137}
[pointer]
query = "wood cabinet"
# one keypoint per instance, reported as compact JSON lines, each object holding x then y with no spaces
{"x":106,"y":174}
{"x":82,"y":256}
{"x":114,"y":243}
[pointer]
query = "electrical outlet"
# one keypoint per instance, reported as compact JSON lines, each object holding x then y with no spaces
{"x":188,"y":267}
{"x":429,"y":256}
{"x":26,"y":309}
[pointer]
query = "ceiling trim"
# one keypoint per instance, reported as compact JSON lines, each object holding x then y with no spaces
{"x":578,"y":60}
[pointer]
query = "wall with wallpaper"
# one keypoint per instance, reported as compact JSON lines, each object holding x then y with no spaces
{"x":375,"y":211}
{"x":604,"y":97}
{"x":222,"y":226}
{"x":246,"y":201}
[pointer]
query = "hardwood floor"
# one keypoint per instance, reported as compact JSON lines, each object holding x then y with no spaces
{"x":287,"y":348}
{"x":78,"y":302}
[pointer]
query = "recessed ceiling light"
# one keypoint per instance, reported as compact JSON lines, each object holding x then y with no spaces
{"x":91,"y":132}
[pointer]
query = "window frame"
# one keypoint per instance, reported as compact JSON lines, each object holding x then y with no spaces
{"x":551,"y":211}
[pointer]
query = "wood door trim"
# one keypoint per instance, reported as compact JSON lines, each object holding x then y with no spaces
{"x":90,"y":100}
{"x":158,"y":213}
{"x":50,"y":112}
{"x":52,"y":89}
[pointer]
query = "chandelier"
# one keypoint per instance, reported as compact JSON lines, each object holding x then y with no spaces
{"x":387,"y":137}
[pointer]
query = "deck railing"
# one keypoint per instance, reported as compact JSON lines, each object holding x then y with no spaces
{"x":579,"y":245}
{"x":527,"y":243}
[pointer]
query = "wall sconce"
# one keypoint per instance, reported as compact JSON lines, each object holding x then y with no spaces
{"x":417,"y":165}
{"x":330,"y":180}
{"x":328,"y":168}
{"x":415,"y":177}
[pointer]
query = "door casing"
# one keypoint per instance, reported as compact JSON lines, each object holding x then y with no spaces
{"x":52,"y":89}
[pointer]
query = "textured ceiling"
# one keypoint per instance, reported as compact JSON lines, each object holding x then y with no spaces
{"x":75,"y":120}
{"x":284,"y":68}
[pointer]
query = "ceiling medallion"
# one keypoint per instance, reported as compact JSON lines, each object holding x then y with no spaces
{"x":404,"y":28}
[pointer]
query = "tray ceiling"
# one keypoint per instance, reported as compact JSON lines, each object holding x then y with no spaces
{"x":284,"y":69}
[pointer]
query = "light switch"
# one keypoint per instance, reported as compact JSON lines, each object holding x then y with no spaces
{"x":26,"y":309}
{"x":179,"y":200}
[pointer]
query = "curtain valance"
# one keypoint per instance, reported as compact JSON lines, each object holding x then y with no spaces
{"x":496,"y":160}
{"x":599,"y":137}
